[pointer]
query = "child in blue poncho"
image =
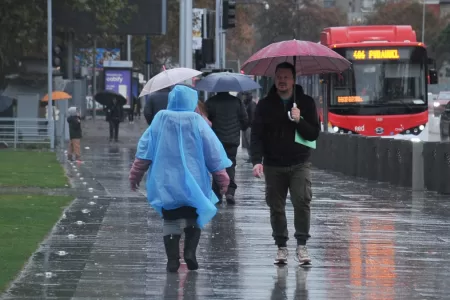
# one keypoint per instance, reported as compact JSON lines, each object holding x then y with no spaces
{"x":180,"y":150}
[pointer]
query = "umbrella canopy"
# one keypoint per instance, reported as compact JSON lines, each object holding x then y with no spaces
{"x":226,"y":82}
{"x":168,"y":78}
{"x":57,"y":95}
{"x":5,"y":103}
{"x":106,"y":98}
{"x":309,"y":58}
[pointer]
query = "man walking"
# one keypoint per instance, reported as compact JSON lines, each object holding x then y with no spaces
{"x":228,"y":117}
{"x":114,"y":115}
{"x":250,"y":107}
{"x":154,"y":103}
{"x":286,"y":167}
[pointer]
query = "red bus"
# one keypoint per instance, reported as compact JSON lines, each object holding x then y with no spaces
{"x":385,"y":91}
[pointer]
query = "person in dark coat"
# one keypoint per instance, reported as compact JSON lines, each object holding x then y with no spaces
{"x":250,"y":107}
{"x":154,"y":103}
{"x":114,"y":115}
{"x":130,"y":111}
{"x":284,"y":162}
{"x":74,"y":121}
{"x":228,"y":116}
{"x":137,"y":108}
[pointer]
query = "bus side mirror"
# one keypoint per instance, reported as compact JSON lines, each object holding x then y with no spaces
{"x":432,"y":77}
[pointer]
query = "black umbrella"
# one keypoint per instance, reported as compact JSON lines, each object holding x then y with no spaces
{"x":106,"y":98}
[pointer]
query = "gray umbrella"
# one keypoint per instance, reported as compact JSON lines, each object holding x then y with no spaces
{"x":226,"y":82}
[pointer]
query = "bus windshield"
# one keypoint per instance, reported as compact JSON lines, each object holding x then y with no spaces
{"x":381,"y":77}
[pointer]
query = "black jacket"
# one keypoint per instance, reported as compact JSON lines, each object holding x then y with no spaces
{"x":155,"y":102}
{"x":273,"y":134}
{"x":228,"y":117}
{"x":74,"y":127}
{"x":114,"y":113}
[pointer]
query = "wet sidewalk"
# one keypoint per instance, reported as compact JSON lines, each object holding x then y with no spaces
{"x":369,"y":241}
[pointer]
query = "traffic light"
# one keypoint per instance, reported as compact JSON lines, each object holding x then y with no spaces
{"x":228,"y":14}
{"x":208,"y":54}
{"x":57,"y":56}
{"x":199,"y":62}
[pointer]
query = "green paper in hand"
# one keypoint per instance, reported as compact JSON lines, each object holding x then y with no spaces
{"x":300,"y":140}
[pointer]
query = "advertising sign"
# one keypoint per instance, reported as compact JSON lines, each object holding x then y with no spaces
{"x":119,"y":81}
{"x":84,"y":57}
{"x":197,"y":14}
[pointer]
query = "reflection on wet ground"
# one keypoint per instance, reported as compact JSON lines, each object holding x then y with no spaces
{"x":369,"y":241}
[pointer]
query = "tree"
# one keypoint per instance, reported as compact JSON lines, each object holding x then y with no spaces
{"x":23,"y":26}
{"x":289,"y":19}
{"x":164,"y":48}
{"x":441,"y":46}
{"x":241,"y":39}
{"x":407,"y":12}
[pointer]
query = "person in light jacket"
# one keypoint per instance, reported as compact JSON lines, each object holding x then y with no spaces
{"x":182,"y":150}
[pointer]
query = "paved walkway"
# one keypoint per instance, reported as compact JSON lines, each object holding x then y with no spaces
{"x":369,"y":241}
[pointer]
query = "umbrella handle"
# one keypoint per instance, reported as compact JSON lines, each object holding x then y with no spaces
{"x":289,"y":113}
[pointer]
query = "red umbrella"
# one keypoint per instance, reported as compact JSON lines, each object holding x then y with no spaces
{"x":308,"y":58}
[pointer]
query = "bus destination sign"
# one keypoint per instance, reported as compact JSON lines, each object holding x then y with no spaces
{"x":350,"y":99}
{"x":377,"y":54}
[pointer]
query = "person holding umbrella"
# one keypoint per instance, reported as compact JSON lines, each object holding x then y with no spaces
{"x":284,"y":130}
{"x":114,"y":115}
{"x":286,"y":165}
{"x":113,"y":107}
{"x":228,"y":117}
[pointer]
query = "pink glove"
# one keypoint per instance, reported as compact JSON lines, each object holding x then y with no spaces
{"x":222,"y":179}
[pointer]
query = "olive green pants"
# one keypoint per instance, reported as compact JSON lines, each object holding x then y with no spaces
{"x":297,"y":180}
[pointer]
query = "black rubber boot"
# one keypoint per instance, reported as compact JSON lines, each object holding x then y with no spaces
{"x":172,"y":245}
{"x":192,"y":237}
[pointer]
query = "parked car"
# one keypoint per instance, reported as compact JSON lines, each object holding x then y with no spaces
{"x":439,"y":104}
{"x":444,"y":123}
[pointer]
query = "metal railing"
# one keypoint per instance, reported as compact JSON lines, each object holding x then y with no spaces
{"x":24,"y":132}
{"x":419,"y":165}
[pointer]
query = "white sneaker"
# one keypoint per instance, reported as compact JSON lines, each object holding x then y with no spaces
{"x":303,"y":256}
{"x":282,"y":255}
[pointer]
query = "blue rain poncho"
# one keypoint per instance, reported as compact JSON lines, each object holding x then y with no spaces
{"x":183,"y":150}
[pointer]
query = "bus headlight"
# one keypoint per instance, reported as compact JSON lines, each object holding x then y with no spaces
{"x":335,"y":129}
{"x":421,"y":127}
{"x":436,"y":104}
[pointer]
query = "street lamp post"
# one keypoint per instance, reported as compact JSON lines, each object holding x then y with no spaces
{"x":50,"y":126}
{"x":423,"y":21}
{"x":218,"y":33}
